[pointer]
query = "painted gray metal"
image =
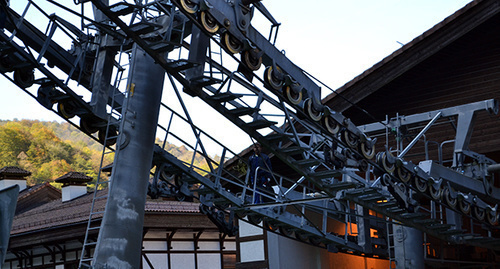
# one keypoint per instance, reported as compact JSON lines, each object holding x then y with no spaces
{"x":408,"y":247}
{"x":120,"y":239}
{"x":422,"y":132}
{"x":459,"y":180}
{"x":102,"y":76}
{"x":223,"y":11}
{"x":129,"y":201}
{"x":8,"y":201}
{"x":489,"y":105}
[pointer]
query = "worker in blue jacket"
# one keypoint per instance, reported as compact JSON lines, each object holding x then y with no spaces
{"x":260,"y":171}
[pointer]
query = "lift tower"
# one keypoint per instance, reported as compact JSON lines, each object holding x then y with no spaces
{"x":333,"y":162}
{"x":120,"y":237}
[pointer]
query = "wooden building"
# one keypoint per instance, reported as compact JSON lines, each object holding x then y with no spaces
{"x":49,"y":228}
{"x":454,"y":63}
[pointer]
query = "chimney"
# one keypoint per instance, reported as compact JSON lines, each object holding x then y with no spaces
{"x":74,"y":185}
{"x":11,"y":175}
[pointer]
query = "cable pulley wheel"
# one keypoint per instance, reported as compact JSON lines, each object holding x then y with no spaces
{"x":403,"y":174}
{"x":331,"y":125}
{"x":251,"y":60}
{"x":255,"y":219}
{"x":349,"y":139}
{"x":65,"y":109}
{"x":87,"y":126}
{"x":367,"y":150}
{"x":300,"y":236}
{"x":434,"y":192}
{"x":450,"y":201}
{"x":479,"y":213}
{"x":208,"y":22}
{"x":269,"y":225}
{"x":286,"y":231}
{"x":363,"y":165}
{"x":111,"y":134}
{"x":204,"y":209}
{"x":24,"y":78}
{"x":464,"y":207}
{"x":241,"y":214}
{"x":420,"y":184}
{"x":271,"y":79}
{"x":232,"y":44}
{"x":292,"y":96}
{"x":315,"y":240}
{"x":383,"y":161}
{"x":386,"y":180}
{"x":189,"y":6}
{"x":492,"y":218}
{"x":309,"y":110}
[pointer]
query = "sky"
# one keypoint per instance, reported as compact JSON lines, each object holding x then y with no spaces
{"x":331,"y":39}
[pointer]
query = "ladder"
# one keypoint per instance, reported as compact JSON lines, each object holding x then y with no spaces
{"x":390,"y":244}
{"x":108,"y":135}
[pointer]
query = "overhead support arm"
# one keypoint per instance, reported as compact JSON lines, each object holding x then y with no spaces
{"x":415,"y":140}
{"x":490,"y":105}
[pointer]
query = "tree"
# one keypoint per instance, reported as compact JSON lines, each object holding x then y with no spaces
{"x":51,"y":149}
{"x":14,"y":139}
{"x":51,"y":170}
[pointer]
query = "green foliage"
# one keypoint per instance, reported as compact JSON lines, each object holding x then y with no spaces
{"x":48,"y":149}
{"x":51,"y":149}
{"x":14,"y":139}
{"x":186,"y":155}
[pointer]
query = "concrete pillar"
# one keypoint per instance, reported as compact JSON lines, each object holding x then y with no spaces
{"x":120,"y":238}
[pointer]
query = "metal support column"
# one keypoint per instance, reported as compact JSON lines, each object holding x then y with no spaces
{"x":120,"y":238}
{"x":465,"y":126}
{"x":364,"y":236}
{"x":197,"y":55}
{"x":408,"y":247}
{"x":102,"y":77}
{"x":103,"y":69}
{"x":8,"y":202}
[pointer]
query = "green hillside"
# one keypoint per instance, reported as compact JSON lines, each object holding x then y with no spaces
{"x":51,"y":149}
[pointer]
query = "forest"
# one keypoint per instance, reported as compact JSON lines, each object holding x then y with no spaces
{"x":51,"y":149}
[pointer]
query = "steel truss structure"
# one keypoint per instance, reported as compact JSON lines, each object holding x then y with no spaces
{"x":210,"y":50}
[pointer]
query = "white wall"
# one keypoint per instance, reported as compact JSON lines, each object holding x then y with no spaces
{"x":155,"y":241}
{"x":4,"y":183}
{"x":292,"y":254}
{"x":251,"y":251}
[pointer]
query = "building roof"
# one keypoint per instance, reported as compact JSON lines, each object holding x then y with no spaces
{"x":35,"y":196}
{"x":456,"y":62}
{"x":56,"y":213}
{"x":37,"y":188}
{"x":73,"y":178}
{"x":414,"y":52}
{"x":13,"y":171}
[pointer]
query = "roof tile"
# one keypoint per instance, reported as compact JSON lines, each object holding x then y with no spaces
{"x":57,"y":213}
{"x":73,"y":177}
{"x":13,"y":171}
